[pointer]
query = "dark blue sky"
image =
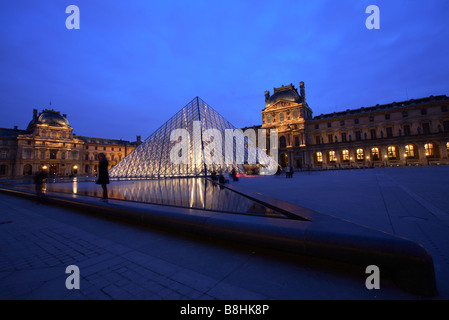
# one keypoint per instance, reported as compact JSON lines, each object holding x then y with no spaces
{"x":133,"y":64}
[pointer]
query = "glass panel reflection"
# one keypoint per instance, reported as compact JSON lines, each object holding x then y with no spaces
{"x":195,"y":193}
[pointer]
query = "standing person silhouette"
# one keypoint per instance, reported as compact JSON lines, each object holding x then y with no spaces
{"x":103,"y":175}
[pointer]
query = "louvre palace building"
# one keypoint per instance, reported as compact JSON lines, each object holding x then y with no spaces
{"x":406,"y":133}
{"x":412,"y":132}
{"x":49,"y":142}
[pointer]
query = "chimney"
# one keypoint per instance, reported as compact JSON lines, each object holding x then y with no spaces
{"x":64,"y":115}
{"x":34,"y":114}
{"x":138,"y":138}
{"x":15,"y":127}
{"x":267,"y":95}
{"x":302,"y":91}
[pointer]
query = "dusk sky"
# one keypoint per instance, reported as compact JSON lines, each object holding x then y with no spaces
{"x":134,"y":64}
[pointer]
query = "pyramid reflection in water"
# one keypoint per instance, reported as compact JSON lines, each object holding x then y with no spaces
{"x":196,"y":153}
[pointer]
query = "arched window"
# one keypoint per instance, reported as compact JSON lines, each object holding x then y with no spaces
{"x":345,"y":155}
{"x":319,"y":157}
{"x":375,"y":155}
{"x":332,"y":156}
{"x":360,"y":154}
{"x":410,"y":151}
{"x":430,"y":151}
{"x":27,"y":170}
{"x":392,"y":152}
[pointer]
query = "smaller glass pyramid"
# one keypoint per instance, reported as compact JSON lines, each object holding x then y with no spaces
{"x":196,"y":141}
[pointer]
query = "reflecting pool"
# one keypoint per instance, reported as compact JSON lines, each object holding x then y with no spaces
{"x":195,"y":193}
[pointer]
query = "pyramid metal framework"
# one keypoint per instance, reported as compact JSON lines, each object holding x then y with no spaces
{"x":154,"y":157}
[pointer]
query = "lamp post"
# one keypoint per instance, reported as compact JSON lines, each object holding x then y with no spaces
{"x":405,"y":156}
{"x":386,"y":160}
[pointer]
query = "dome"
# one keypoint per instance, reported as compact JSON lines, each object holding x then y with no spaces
{"x":51,"y":118}
{"x":287,"y":93}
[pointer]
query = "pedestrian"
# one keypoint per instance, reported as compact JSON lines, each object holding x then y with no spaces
{"x":287,"y":171}
{"x":234,"y":175}
{"x":226,"y":176}
{"x":39,"y":179}
{"x":103,"y":175}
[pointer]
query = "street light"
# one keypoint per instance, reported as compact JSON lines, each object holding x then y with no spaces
{"x":405,"y":156}
{"x":386,"y":160}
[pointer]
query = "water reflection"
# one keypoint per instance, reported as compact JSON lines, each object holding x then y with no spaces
{"x":196,"y":193}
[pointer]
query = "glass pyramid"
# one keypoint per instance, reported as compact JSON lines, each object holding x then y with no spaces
{"x":189,"y":144}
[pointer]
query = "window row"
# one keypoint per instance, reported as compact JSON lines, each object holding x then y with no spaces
{"x":431,"y":150}
{"x":380,"y":117}
{"x":387,"y":132}
{"x":271,"y":118}
{"x":94,"y":157}
{"x":100,"y":148}
{"x":52,"y":154}
{"x":54,"y":134}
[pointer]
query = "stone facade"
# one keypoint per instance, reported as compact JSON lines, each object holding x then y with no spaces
{"x":412,"y":132}
{"x":49,"y":142}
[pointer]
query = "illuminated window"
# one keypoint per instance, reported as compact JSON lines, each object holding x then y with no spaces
{"x":391,"y":151}
{"x":410,"y":151}
{"x":332,"y":156}
{"x":319,"y":157}
{"x":447,"y":147}
{"x":375,"y":153}
{"x":345,"y":155}
{"x":429,"y":149}
{"x":360,"y":154}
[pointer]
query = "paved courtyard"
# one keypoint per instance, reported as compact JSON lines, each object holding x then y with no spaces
{"x":118,"y":260}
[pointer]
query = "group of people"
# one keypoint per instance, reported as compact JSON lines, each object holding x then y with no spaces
{"x":289,"y":170}
{"x":226,"y":177}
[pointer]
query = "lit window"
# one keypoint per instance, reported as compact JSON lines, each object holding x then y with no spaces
{"x":375,"y":153}
{"x":391,"y":152}
{"x":360,"y":154}
{"x":319,"y":157}
{"x":332,"y":156}
{"x":429,"y":149}
{"x":410,"y":151}
{"x":345,"y":155}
